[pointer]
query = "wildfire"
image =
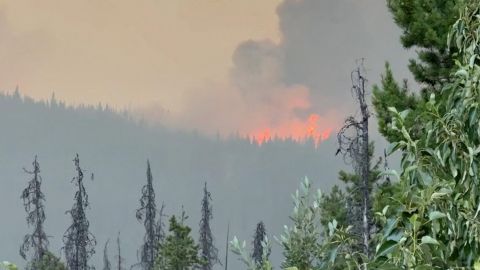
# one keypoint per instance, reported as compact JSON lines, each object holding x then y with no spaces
{"x":295,"y":130}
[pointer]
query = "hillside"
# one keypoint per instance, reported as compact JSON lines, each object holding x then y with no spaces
{"x":248,"y":182}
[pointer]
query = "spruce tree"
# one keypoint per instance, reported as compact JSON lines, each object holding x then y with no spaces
{"x":179,"y":251}
{"x":209,"y":252}
{"x":33,"y":200}
{"x":147,"y":213}
{"x":79,"y":242}
{"x":258,"y":239}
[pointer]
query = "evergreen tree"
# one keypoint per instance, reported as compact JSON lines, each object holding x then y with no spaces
{"x":106,"y":262}
{"x":49,"y":262}
{"x":334,"y":207}
{"x":209,"y":252}
{"x":79,"y":242}
{"x":391,"y":94}
{"x":33,"y":200}
{"x":258,"y":239}
{"x":436,"y":225}
{"x":428,"y":35}
{"x":179,"y":251}
{"x":146,"y":213}
{"x":434,"y":64}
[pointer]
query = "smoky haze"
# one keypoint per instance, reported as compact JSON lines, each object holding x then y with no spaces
{"x":265,"y":65}
{"x":248,"y":182}
{"x":248,"y":84}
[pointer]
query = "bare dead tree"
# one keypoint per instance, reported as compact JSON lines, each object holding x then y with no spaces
{"x":353,"y":143}
{"x":147,"y":213}
{"x":258,"y":238}
{"x":106,"y":262}
{"x":33,"y":200}
{"x":209,"y":252}
{"x":79,"y":242}
{"x":120,"y":260}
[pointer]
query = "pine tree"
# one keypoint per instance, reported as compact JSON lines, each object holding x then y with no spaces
{"x":79,"y":242}
{"x":434,"y":64}
{"x":428,"y":34}
{"x":106,"y":262}
{"x":258,"y":239}
{"x":147,"y":213}
{"x":391,"y":94}
{"x":179,"y":251}
{"x":33,"y":200}
{"x":208,"y":250}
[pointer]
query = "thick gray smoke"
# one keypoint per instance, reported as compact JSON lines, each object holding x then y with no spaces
{"x":278,"y":85}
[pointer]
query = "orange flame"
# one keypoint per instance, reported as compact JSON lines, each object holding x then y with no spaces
{"x":296,"y":130}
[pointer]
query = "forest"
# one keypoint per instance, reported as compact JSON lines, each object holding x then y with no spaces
{"x":422,"y":214}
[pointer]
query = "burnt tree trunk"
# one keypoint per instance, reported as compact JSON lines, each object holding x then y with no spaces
{"x":353,"y":139}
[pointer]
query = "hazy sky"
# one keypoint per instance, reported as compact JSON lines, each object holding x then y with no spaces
{"x":247,"y":66}
{"x":125,"y":52}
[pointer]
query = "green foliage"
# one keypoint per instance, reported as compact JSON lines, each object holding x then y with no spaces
{"x":345,"y":207}
{"x":8,"y":266}
{"x":178,"y":251}
{"x":437,"y":224}
{"x":334,"y":207}
{"x":249,"y":261}
{"x":301,"y":241}
{"x":353,"y":182}
{"x":391,"y":94}
{"x":338,"y":250}
{"x":49,"y":262}
{"x":384,"y":196}
{"x":425,"y":25}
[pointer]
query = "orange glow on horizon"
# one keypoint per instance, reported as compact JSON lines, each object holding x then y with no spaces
{"x":296,"y":130}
